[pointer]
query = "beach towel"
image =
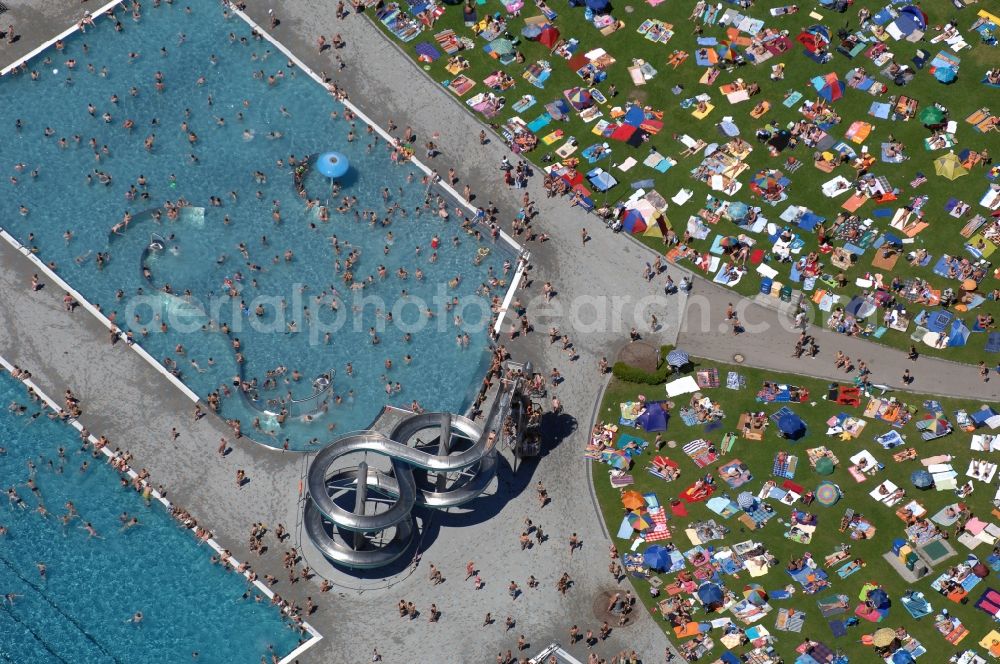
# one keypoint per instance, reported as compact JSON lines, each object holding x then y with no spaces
{"x":790,"y":620}
{"x":833,"y":605}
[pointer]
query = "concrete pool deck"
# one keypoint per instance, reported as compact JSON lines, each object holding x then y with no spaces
{"x":126,"y":399}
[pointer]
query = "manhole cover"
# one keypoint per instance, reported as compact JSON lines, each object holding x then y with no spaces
{"x":738,"y":358}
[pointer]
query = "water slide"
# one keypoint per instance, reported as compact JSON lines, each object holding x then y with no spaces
{"x":476,"y":467}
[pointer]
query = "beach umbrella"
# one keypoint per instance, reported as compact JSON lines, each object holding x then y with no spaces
{"x":710,"y":594}
{"x":949,"y":166}
{"x":945,"y":74}
{"x":502,"y":46}
{"x":883,"y":637}
{"x":737,"y":211}
{"x":922,"y":479}
{"x":824,"y":466}
{"x":618,"y":459}
{"x":640,"y":520}
{"x":791,"y":426}
{"x":746,"y":500}
{"x":879,"y":598}
{"x":678,"y":358}
{"x":580,"y":98}
{"x":827,"y":494}
{"x":726,"y":51}
{"x":934,"y":424}
{"x":931,"y":115}
{"x":633,"y":500}
{"x":332,"y":164}
{"x":656,"y":557}
{"x":902,"y":656}
{"x":755,"y":594}
{"x":981,"y":570}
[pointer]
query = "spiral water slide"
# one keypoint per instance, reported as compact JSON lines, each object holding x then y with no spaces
{"x":475,"y":467}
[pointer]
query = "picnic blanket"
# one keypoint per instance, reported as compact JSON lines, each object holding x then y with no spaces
{"x":701,"y":452}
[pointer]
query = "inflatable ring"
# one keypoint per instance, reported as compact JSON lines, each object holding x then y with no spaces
{"x":483,"y":252}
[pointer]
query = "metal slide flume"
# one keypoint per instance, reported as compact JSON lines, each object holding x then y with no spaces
{"x":478,"y":464}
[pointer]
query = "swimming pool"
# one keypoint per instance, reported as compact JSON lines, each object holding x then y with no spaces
{"x":247,"y":258}
{"x":81,"y":610}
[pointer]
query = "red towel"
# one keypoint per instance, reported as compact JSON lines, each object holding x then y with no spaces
{"x":792,"y":486}
{"x":677,"y":508}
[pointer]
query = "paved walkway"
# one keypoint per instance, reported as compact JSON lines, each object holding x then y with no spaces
{"x":770,"y":339}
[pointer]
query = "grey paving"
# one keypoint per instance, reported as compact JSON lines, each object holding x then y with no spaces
{"x":37,"y":21}
{"x":770,"y":339}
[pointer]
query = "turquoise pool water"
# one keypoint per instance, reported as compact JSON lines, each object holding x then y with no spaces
{"x":231,"y":114}
{"x":80,"y":612}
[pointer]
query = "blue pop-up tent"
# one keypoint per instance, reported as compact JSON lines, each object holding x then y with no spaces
{"x":599,"y":6}
{"x":958,"y":335}
{"x":791,"y":426}
{"x":653,"y":418}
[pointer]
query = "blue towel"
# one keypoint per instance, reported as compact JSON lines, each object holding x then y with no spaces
{"x":879,"y":110}
{"x":539,"y":122}
{"x":838,"y":627}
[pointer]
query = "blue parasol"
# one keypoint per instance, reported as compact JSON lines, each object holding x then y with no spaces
{"x":677,"y":358}
{"x":922,"y":479}
{"x":332,"y":164}
{"x":945,"y":74}
{"x":656,"y":557}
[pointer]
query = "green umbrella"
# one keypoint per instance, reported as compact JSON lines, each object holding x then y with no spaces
{"x":931,"y":115}
{"x":824,"y":466}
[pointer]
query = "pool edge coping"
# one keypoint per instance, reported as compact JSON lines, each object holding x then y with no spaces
{"x":233,"y":563}
{"x":62,"y":35}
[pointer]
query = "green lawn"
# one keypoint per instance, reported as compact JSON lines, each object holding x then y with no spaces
{"x":759,"y":456}
{"x":625,"y":45}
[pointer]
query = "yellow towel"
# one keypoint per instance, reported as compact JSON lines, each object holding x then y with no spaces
{"x":701,"y":115}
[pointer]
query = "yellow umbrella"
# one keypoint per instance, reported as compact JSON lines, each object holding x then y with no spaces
{"x":633,"y":500}
{"x":883,"y":637}
{"x":949,"y":166}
